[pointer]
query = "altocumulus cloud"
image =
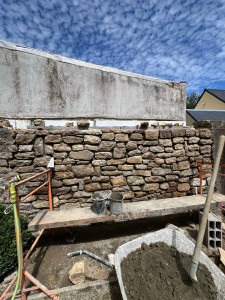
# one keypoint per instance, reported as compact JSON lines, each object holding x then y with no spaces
{"x":176,"y":40}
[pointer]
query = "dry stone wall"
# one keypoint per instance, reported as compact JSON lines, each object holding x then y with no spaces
{"x":144,"y":164}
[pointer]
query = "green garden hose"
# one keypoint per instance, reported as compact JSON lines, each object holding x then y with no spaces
{"x":13,"y":201}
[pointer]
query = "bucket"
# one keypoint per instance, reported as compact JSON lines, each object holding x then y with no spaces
{"x":99,"y":203}
{"x":116,"y":203}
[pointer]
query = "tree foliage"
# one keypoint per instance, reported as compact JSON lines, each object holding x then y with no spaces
{"x":192,"y":100}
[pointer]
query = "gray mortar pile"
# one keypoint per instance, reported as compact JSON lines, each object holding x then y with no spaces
{"x":143,"y":164}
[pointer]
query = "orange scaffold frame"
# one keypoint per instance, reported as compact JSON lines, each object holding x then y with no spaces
{"x":201,"y":171}
{"x":24,"y":273}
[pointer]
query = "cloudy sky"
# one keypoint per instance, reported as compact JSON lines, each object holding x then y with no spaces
{"x":170,"y":39}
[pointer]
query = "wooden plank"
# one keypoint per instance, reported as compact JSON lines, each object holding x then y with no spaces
{"x":132,"y":211}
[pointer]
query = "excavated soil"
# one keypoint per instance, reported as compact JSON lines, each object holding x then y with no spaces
{"x":159,"y":271}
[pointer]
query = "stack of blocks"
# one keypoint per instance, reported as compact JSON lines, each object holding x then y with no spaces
{"x":213,"y":232}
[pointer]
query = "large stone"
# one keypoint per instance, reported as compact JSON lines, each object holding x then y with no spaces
{"x":83,"y":123}
{"x":183,"y":187}
{"x":56,"y":183}
{"x":48,"y":149}
{"x":82,"y":155}
{"x":99,"y":162}
{"x":131,"y":145}
{"x":151,"y":134}
{"x":62,"y":147}
{"x":150,"y":187}
{"x":160,"y":171}
{"x":72,"y":181}
{"x":134,"y":160}
{"x":42,"y":161}
{"x":92,"y":139}
{"x":121,"y":137}
{"x":190,"y":132}
{"x":91,"y":187}
{"x":194,"y":140}
{"x":186,"y":173}
{"x":83,"y":170}
{"x":53,"y":138}
{"x":156,"y":149}
{"x":100,"y":178}
{"x":25,"y":148}
{"x":178,"y":132}
{"x":136,"y":137}
{"x":103,"y":155}
{"x":63,"y":168}
{"x":134,"y":152}
{"x":125,"y":167}
{"x":165,"y":134}
{"x":19,"y":163}
{"x":39,"y":146}
{"x":164,"y":186}
{"x":72,"y":140}
{"x":3,"y":163}
{"x":135,"y":180}
{"x":24,"y":155}
{"x":60,"y":155}
{"x":79,"y":147}
{"x":109,"y":136}
{"x":183,"y":165}
{"x":119,"y":152}
{"x":81,"y":194}
{"x":120,"y":180}
{"x":205,"y":149}
{"x":63,"y":175}
{"x":178,"y":140}
{"x":60,"y":191}
{"x":204,"y":133}
{"x":25,"y":138}
{"x":106,"y":146}
{"x":144,"y":173}
{"x":165,"y":142}
{"x":116,"y":161}
{"x":155,"y":179}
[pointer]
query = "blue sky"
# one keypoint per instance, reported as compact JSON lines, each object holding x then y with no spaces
{"x":170,"y":39}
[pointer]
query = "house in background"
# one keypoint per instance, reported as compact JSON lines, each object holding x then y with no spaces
{"x":211,"y":99}
{"x":210,"y":107}
{"x":197,"y":115}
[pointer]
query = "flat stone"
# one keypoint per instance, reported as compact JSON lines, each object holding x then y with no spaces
{"x":56,"y":183}
{"x":42,"y":161}
{"x":92,"y":187}
{"x":204,"y":133}
{"x":131,"y":145}
{"x":156,"y":149}
{"x":125,"y":167}
{"x":72,"y":140}
{"x":98,"y":162}
{"x":170,"y":160}
{"x":193,"y":140}
{"x":60,"y":191}
{"x":106,"y":146}
{"x":82,"y":155}
{"x":150,"y":187}
{"x":120,"y":180}
{"x":144,"y":173}
{"x":183,"y":165}
{"x":151,"y":134}
{"x":92,"y":139}
{"x":108,"y":136}
{"x":135,"y":180}
{"x":103,"y":155}
{"x":25,"y":139}
{"x":136,"y":137}
{"x":165,"y":134}
{"x":62,"y":147}
{"x":164,"y":186}
{"x":134,"y":160}
{"x":155,"y":179}
{"x":165,"y":142}
{"x":100,"y":178}
{"x":20,"y":163}
{"x":25,"y":148}
{"x":134,"y":152}
{"x":63,"y":175}
{"x":178,"y":140}
{"x":83,"y":170}
{"x":121,"y":137}
{"x":116,"y":161}
{"x":205,"y":149}
{"x":160,"y":171}
{"x":119,"y":152}
{"x":183,"y":187}
{"x":53,"y":138}
{"x":72,"y":181}
{"x":24,"y":155}
{"x":190,"y":132}
{"x":178,"y":132}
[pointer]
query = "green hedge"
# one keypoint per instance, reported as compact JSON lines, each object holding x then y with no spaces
{"x":8,"y":254}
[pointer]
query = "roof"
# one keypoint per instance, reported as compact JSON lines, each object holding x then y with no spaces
{"x":220,"y":94}
{"x":207,"y":114}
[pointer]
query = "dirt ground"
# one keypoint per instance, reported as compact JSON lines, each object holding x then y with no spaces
{"x":50,"y":265}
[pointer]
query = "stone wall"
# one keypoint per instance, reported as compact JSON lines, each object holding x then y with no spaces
{"x":144,"y":164}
